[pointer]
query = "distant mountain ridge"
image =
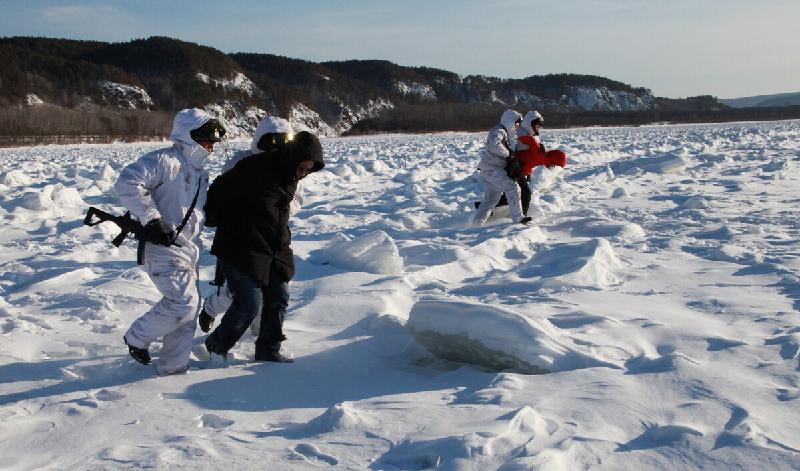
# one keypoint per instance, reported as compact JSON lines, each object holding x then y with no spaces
{"x":161,"y":74}
{"x":762,"y":101}
{"x":165,"y":74}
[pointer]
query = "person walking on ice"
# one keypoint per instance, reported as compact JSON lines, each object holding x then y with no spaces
{"x":500,"y":145}
{"x":249,"y":206}
{"x":532,"y":153}
{"x":166,"y":191}
{"x":271,"y":133}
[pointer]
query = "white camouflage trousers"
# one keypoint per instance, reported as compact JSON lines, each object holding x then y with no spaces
{"x":174,"y":317}
{"x":495,"y":183}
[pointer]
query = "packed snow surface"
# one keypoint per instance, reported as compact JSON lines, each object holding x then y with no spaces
{"x":648,"y":319}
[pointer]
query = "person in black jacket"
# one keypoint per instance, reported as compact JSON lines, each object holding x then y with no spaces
{"x":249,"y":205}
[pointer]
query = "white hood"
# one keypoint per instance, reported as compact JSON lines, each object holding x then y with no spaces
{"x":185,"y":121}
{"x":267,"y":125}
{"x":526,"y":127}
{"x":508,"y":119}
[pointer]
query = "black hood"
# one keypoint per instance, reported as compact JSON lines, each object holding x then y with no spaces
{"x":306,"y":146}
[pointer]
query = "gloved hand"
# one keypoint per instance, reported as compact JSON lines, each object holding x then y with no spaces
{"x":158,"y":233}
{"x":205,"y":321}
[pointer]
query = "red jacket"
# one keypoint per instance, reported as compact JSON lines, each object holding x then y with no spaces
{"x":533,"y":155}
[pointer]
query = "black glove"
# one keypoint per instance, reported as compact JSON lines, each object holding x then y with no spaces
{"x":205,"y":321}
{"x":157,"y":232}
{"x":513,"y":167}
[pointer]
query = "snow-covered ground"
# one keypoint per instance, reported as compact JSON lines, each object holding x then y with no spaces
{"x":657,"y":297}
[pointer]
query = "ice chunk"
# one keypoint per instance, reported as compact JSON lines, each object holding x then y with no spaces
{"x":15,"y":178}
{"x":493,"y":337}
{"x":695,"y":202}
{"x":375,"y":252}
{"x":591,"y":264}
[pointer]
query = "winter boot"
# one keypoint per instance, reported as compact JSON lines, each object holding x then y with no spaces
{"x":213,"y":350}
{"x":139,"y":354}
{"x":272,"y":353}
{"x":205,"y":321}
{"x":274,"y":357}
{"x":525,"y":220}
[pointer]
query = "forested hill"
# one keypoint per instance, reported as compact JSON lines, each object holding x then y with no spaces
{"x":124,"y":88}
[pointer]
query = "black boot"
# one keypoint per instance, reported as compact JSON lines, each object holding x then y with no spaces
{"x":525,"y":220}
{"x":205,"y":321}
{"x":274,"y":357}
{"x":139,"y":354}
{"x":272,"y":353}
{"x":213,"y":350}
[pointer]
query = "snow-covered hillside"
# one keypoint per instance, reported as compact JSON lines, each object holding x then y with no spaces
{"x":656,"y":298}
{"x":120,"y":95}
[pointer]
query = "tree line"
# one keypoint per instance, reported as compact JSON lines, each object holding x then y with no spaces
{"x":419,"y":118}
{"x":44,"y":124}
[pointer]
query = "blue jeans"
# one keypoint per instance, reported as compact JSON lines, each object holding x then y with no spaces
{"x":249,"y":298}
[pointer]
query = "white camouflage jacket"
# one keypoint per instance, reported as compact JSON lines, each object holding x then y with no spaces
{"x":163,"y":183}
{"x":494,"y":154}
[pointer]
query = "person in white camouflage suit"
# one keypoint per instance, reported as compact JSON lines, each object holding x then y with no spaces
{"x":166,"y":191}
{"x":501,"y":143}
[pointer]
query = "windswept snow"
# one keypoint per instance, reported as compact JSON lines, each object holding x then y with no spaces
{"x":304,"y":118}
{"x":414,"y":88}
{"x":603,"y":99}
{"x":238,"y":83}
{"x":648,"y":319}
{"x":120,"y":95}
{"x":31,"y":99}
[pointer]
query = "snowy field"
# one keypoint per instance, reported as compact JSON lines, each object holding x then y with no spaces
{"x":647,"y":320}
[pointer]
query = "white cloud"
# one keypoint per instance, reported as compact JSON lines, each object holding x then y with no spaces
{"x":84,"y":14}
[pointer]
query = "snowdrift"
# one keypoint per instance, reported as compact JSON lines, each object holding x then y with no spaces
{"x":493,"y":337}
{"x":589,"y":264}
{"x":375,"y":252}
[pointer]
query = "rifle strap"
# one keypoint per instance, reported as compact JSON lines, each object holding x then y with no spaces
{"x":190,"y":211}
{"x":140,"y":248}
{"x":508,"y":147}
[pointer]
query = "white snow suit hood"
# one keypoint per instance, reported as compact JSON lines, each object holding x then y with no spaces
{"x":269,"y":124}
{"x":508,"y":119}
{"x":185,"y":121}
{"x":526,"y":128}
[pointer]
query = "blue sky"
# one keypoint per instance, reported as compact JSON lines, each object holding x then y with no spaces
{"x":677,"y":48}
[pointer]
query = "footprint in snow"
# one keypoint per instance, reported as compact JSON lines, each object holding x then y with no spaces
{"x":214,"y":421}
{"x":312,"y":453}
{"x":106,"y":395}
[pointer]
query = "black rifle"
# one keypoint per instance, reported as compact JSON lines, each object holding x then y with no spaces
{"x":126,"y":223}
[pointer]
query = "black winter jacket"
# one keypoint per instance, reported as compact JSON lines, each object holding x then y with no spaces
{"x":249,"y":205}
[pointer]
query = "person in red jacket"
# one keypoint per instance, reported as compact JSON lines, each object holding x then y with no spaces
{"x":531,"y":153}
